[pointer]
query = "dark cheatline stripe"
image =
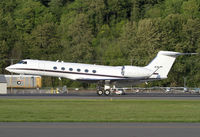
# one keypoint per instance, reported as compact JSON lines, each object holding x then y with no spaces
{"x":71,"y":72}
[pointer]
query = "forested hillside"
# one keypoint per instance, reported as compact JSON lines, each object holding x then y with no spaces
{"x":109,"y":32}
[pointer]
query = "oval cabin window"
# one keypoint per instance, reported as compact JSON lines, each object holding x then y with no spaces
{"x":78,"y":70}
{"x":63,"y":68}
{"x":86,"y":70}
{"x":55,"y":68}
{"x":94,"y":71}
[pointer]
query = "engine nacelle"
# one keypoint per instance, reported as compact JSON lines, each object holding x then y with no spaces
{"x":136,"y":72}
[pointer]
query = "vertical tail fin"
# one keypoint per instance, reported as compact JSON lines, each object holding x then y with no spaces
{"x":162,"y":63}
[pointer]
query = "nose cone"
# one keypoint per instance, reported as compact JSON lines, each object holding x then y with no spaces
{"x":8,"y":68}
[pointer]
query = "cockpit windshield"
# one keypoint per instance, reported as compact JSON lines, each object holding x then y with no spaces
{"x":22,"y":62}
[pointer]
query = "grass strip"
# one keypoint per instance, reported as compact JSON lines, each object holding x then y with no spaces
{"x":90,"y":110}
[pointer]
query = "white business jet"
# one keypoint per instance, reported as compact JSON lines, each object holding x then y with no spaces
{"x":105,"y":76}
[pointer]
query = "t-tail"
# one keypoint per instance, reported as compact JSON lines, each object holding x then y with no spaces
{"x":163,"y":62}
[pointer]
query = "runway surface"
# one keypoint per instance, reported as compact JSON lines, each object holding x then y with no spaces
{"x":40,"y":129}
{"x":159,"y":96}
{"x":99,"y":129}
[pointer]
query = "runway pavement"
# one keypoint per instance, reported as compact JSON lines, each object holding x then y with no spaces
{"x":99,"y":129}
{"x":159,"y":96}
{"x":37,"y":129}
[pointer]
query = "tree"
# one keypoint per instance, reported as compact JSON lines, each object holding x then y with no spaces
{"x":29,"y":15}
{"x":8,"y":36}
{"x":109,"y":32}
{"x":191,"y":35}
{"x":56,"y":7}
{"x":96,"y":14}
{"x":44,"y":42}
{"x":7,"y":6}
{"x":191,"y":8}
{"x":172,"y":7}
{"x":76,"y":38}
{"x":171,"y":27}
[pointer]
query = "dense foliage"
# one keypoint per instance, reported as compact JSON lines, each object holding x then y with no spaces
{"x":109,"y":32}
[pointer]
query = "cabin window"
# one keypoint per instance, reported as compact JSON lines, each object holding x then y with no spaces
{"x":94,"y":71}
{"x":22,"y":62}
{"x":86,"y":70}
{"x":63,"y":68}
{"x":55,"y":68}
{"x":78,"y":70}
{"x":70,"y":69}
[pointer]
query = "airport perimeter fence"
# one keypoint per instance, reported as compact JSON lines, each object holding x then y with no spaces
{"x":65,"y":90}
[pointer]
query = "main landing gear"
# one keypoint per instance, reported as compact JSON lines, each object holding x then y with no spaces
{"x":106,"y":92}
{"x":100,"y":92}
{"x":104,"y":88}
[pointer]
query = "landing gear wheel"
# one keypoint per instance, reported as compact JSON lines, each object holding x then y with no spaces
{"x":100,"y":92}
{"x":107,"y":92}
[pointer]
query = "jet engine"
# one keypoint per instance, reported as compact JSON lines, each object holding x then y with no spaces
{"x":136,"y":72}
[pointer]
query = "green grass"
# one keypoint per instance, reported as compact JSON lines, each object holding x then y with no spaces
{"x":77,"y":110}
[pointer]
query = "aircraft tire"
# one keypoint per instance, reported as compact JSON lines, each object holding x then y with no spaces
{"x":100,"y":92}
{"x":107,"y":92}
